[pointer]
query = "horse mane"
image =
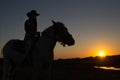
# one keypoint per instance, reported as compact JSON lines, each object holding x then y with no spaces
{"x":46,"y":30}
{"x":58,"y":25}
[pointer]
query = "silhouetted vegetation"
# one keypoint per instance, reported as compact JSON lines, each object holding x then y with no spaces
{"x":76,"y":68}
{"x":93,"y":61}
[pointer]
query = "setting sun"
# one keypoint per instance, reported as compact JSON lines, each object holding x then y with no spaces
{"x":102,"y":54}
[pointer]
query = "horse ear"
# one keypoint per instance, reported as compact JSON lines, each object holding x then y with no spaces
{"x":53,"y":22}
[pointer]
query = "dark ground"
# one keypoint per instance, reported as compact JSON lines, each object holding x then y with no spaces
{"x":70,"y":71}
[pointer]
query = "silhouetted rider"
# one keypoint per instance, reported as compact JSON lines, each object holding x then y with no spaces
{"x":31,"y":30}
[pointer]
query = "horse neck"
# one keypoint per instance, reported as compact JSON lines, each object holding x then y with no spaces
{"x":47,"y":40}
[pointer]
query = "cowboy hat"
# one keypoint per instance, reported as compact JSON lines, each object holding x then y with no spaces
{"x":32,"y":12}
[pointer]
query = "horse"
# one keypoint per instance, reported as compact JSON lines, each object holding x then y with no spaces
{"x":42,"y":54}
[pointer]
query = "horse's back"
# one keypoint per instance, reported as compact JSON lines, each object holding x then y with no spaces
{"x":14,"y":49}
{"x":7,"y":47}
{"x":15,"y":44}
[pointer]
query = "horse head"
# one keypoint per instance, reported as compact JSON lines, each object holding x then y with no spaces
{"x":62,"y":34}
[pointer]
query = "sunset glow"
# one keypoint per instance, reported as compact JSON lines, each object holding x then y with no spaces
{"x":102,"y":54}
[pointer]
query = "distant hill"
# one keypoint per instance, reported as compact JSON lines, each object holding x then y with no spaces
{"x":94,"y":61}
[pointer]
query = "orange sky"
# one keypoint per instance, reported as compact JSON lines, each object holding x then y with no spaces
{"x":94,"y":24}
{"x":93,"y":49}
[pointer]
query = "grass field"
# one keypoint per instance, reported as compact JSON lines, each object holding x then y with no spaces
{"x":70,"y":72}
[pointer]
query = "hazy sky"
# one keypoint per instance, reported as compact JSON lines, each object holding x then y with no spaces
{"x":95,"y":24}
